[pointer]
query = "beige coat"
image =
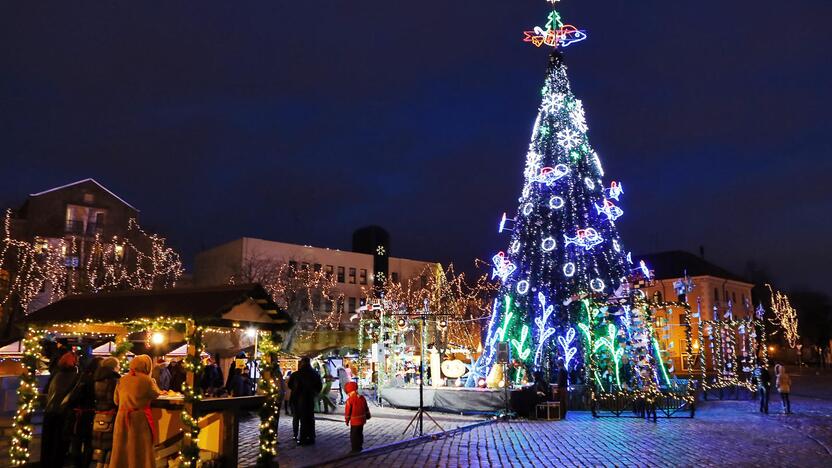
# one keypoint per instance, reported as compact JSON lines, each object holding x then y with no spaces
{"x":132,"y":437}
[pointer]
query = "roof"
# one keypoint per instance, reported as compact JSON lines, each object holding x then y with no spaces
{"x":82,"y":182}
{"x":677,"y":263}
{"x":204,"y":305}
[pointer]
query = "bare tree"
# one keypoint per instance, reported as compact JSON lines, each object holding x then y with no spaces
{"x":309,"y":295}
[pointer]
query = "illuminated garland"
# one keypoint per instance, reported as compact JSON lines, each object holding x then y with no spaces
{"x":270,"y":385}
{"x":27,"y":395}
{"x":189,"y":455}
{"x":138,"y":261}
{"x":784,"y":315}
{"x":722,"y":343}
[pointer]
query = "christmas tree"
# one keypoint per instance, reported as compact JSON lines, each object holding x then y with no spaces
{"x":565,"y":274}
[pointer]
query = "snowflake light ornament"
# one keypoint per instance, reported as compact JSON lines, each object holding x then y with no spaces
{"x":553,"y":102}
{"x":532,"y":164}
{"x":568,"y":138}
{"x":578,"y":117}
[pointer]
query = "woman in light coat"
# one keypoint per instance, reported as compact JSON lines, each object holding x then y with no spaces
{"x":784,"y":386}
{"x":135,"y":429}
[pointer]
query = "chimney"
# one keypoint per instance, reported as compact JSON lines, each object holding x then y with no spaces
{"x":702,"y":251}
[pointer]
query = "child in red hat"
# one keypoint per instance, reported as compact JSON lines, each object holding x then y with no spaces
{"x":356,"y":414}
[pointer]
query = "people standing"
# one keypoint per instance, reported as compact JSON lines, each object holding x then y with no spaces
{"x":764,"y":385}
{"x":177,"y":376}
{"x":81,"y":413}
{"x":287,"y":395}
{"x":54,"y":439}
{"x":135,"y":429}
{"x":305,"y":385}
{"x":563,"y":387}
{"x":161,"y":374}
{"x":106,"y":379}
{"x":356,"y":414}
{"x":784,"y":386}
{"x":342,"y":382}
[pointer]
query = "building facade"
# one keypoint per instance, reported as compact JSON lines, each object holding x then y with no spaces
{"x":355,"y":274}
{"x":66,"y":219}
{"x":716,"y":294}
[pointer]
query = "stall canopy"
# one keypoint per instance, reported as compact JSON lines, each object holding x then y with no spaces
{"x":222,"y":306}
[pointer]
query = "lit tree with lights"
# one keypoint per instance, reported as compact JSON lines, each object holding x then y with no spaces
{"x":565,"y":259}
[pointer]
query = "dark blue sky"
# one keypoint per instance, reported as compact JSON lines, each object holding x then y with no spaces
{"x":302,"y":121}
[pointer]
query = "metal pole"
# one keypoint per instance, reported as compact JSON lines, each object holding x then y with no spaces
{"x":422,"y":378}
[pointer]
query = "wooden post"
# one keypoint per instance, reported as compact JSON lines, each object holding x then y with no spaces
{"x":191,"y":352}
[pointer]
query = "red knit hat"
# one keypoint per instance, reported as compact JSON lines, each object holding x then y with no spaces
{"x":350,"y":387}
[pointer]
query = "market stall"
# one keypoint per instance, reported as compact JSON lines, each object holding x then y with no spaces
{"x":220,"y":321}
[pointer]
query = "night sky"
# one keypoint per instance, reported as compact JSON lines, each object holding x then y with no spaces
{"x":300,"y":121}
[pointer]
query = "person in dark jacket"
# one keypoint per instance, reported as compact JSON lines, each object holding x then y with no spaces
{"x":106,"y":380}
{"x":541,"y":388}
{"x":234,"y":386}
{"x":764,"y":386}
{"x":54,"y":439}
{"x":563,"y":387}
{"x":177,"y":376}
{"x":81,"y":404}
{"x":305,"y":384}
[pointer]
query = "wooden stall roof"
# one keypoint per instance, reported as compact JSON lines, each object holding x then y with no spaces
{"x":220,"y":306}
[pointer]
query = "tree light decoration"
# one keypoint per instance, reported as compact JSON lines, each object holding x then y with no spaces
{"x":784,"y":315}
{"x":567,"y":350}
{"x":544,"y":331}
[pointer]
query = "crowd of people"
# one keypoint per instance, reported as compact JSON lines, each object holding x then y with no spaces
{"x":96,"y":417}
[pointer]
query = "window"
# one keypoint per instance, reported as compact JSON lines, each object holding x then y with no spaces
{"x":328,"y":305}
{"x":293,"y":264}
{"x":119,"y":252}
{"x":351,"y":305}
{"x":395,"y":277}
{"x":89,"y":198}
{"x":317,"y":267}
{"x":352,"y":275}
{"x":716,"y":295}
{"x":316,"y":302}
{"x":305,"y":265}
{"x":328,"y":271}
{"x":362,"y":276}
{"x":657,"y":296}
{"x":41,"y":245}
{"x":424,"y":280}
{"x":340,"y":274}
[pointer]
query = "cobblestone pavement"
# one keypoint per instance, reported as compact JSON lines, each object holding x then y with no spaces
{"x":723,"y":433}
{"x":333,"y":438}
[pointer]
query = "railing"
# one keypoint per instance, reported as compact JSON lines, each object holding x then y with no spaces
{"x":74,"y":226}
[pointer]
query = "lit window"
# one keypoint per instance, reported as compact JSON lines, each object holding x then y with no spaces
{"x":119,"y":252}
{"x":362,"y":276}
{"x":329,"y":269}
{"x":352,"y":275}
{"x":340,"y":274}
